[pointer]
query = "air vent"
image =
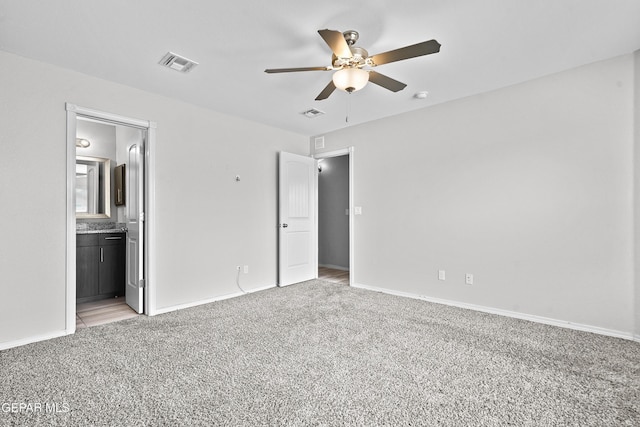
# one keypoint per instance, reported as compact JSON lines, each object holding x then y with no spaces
{"x":319,"y":142}
{"x":177,"y":62}
{"x":313,"y":113}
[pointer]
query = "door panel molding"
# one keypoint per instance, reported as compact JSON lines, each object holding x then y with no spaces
{"x":135,"y":207}
{"x":297,"y":217}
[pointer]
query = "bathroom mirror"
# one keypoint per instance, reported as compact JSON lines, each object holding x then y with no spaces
{"x":93,"y":184}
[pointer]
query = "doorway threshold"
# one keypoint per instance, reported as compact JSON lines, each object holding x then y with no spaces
{"x":101,"y":312}
{"x":334,"y":275}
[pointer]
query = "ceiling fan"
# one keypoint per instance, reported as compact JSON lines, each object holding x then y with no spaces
{"x":348,"y":62}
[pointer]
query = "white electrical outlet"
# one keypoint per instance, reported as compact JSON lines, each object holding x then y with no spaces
{"x":246,"y":269}
{"x":441,"y":275}
{"x":468,"y":279}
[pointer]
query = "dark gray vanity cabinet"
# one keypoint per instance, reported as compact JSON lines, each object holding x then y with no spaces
{"x":87,"y":273}
{"x":100,"y":266}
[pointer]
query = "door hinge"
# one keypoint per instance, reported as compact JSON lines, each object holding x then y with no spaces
{"x":142,"y":283}
{"x":141,"y":216}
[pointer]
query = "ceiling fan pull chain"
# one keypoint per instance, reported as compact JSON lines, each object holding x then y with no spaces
{"x":348,"y":108}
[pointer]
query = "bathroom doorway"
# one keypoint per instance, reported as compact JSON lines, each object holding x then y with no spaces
{"x":122,"y":147}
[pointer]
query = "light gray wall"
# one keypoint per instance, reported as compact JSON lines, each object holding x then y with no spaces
{"x":333,"y":223}
{"x":636,"y":169}
{"x":206,"y":222}
{"x":102,"y":138}
{"x":530,"y":188}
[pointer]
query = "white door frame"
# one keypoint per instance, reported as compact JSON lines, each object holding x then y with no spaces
{"x":73,"y":111}
{"x":346,"y":151}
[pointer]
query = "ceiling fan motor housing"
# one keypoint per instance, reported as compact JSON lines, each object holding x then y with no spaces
{"x":351,"y":37}
{"x":358,"y":59}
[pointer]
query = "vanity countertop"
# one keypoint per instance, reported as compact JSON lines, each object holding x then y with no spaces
{"x":110,"y":230}
{"x":100,"y":227}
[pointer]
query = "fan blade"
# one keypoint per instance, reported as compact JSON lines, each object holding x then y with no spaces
{"x":419,"y":49}
{"x":328,"y":90}
{"x":336,"y":42}
{"x":290,"y":70}
{"x":386,"y":82}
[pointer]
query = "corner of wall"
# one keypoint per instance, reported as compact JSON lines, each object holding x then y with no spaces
{"x":636,"y":189}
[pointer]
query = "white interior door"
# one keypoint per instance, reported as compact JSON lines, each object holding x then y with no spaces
{"x":134,"y":292}
{"x":298,"y":259}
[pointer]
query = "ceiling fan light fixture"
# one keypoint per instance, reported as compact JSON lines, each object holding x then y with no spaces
{"x":347,"y":61}
{"x":350,"y":79}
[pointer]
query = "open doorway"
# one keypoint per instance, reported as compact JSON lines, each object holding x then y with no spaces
{"x":106,"y":197}
{"x":335,"y":222}
{"x":107,"y":201}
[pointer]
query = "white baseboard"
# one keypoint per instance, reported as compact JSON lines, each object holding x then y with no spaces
{"x":636,"y":338}
{"x":507,"y":313}
{"x":30,"y":340}
{"x":58,"y":334}
{"x":334,"y":267}
{"x":207,"y":301}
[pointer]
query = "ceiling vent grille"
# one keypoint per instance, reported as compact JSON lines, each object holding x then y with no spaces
{"x":312,"y":113}
{"x":177,"y":62}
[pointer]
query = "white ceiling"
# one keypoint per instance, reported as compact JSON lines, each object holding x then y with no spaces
{"x":486,"y":45}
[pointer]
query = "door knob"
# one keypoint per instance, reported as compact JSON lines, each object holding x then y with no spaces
{"x":285,"y":225}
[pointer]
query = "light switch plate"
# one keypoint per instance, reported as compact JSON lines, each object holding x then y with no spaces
{"x":358,"y":210}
